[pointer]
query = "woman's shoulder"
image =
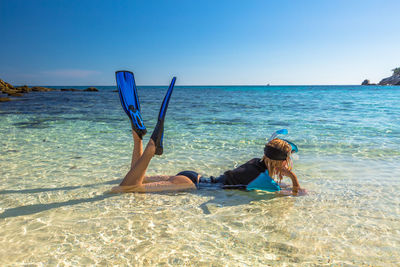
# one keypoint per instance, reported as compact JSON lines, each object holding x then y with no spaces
{"x":254,"y":161}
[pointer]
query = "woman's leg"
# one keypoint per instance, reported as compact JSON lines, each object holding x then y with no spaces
{"x":158,"y":178}
{"x":137,"y":148}
{"x":136,"y":175}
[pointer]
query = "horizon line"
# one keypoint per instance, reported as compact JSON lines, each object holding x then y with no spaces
{"x":214,"y":85}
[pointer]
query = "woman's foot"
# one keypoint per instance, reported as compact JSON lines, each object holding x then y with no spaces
{"x":136,"y":137}
{"x":137,"y":122}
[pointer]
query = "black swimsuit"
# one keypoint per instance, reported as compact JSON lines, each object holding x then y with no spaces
{"x":191,"y":175}
{"x":204,"y":182}
{"x":232,"y":179}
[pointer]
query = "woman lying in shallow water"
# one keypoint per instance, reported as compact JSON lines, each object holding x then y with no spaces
{"x":254,"y":174}
{"x":136,"y":181}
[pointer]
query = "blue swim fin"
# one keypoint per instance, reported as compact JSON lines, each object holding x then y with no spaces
{"x":130,"y":100}
{"x":158,"y":133}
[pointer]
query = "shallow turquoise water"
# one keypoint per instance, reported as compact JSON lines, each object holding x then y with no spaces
{"x":60,"y":151}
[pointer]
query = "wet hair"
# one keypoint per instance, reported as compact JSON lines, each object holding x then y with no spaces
{"x":274,"y":166}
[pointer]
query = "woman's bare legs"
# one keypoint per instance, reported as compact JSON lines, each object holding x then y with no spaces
{"x":140,"y":162}
{"x":137,"y":148}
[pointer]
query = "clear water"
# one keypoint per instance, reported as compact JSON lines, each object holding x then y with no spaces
{"x":60,"y":152}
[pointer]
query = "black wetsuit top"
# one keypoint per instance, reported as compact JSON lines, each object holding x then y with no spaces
{"x":245,"y":173}
{"x":233,"y":179}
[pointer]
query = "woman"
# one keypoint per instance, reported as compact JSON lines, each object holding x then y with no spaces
{"x":276,"y":161}
{"x":254,"y":174}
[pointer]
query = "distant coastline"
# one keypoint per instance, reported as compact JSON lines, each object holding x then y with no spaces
{"x":392,"y":80}
{"x":8,"y":91}
{"x":18,"y":91}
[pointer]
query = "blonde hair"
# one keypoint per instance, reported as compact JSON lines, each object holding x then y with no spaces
{"x":274,"y":166}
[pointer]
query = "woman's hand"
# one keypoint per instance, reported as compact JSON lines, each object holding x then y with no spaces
{"x":286,"y":172}
{"x":295,"y":191}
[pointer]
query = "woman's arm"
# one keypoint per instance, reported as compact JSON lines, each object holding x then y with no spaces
{"x":296,"y":190}
{"x":292,"y":176}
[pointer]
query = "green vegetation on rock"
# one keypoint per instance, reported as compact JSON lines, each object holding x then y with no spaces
{"x":396,"y":71}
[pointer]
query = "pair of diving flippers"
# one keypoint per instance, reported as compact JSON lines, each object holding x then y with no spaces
{"x":130,"y":103}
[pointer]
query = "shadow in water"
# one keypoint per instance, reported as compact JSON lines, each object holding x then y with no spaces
{"x":39,"y":190}
{"x":36,"y":208}
{"x":229,"y":198}
{"x":221,"y":198}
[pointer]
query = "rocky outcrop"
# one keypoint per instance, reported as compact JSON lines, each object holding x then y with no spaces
{"x":41,"y":89}
{"x":91,"y":89}
{"x":365,"y":82}
{"x":4,"y":99}
{"x":24,"y":89}
{"x":15,"y":94}
{"x":8,"y":89}
{"x":69,"y":90}
{"x":392,"y":80}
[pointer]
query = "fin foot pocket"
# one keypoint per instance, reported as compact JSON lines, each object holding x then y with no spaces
{"x":158,"y":133}
{"x":157,"y":137}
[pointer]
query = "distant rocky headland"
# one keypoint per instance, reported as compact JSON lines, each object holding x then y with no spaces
{"x":392,"y":80}
{"x":18,"y":91}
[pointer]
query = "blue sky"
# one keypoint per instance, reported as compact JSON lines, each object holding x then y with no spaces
{"x":202,"y":42}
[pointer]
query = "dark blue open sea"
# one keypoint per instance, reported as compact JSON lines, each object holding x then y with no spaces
{"x":60,"y":152}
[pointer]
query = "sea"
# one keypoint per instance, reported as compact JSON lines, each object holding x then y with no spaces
{"x":62,"y":152}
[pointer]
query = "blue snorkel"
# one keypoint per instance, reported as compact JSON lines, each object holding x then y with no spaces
{"x":275,"y":134}
{"x":284,"y":132}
